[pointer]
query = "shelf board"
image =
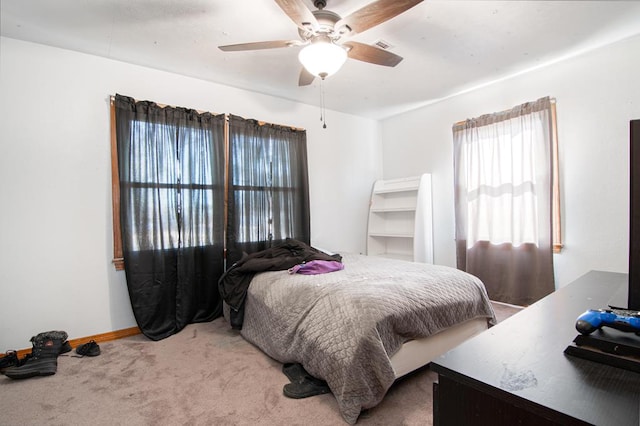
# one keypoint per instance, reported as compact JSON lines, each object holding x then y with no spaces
{"x":394,"y":191}
{"x":390,"y":234}
{"x":392,"y":209}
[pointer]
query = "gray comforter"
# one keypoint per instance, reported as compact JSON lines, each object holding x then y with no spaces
{"x":344,"y":326}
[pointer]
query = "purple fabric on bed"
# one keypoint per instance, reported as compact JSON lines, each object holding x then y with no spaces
{"x":315,"y":267}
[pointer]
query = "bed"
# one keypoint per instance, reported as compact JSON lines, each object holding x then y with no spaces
{"x":361,"y":328}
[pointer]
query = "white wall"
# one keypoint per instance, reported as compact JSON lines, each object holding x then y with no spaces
{"x":597,"y":94}
{"x":55,"y":184}
{"x":55,"y":216}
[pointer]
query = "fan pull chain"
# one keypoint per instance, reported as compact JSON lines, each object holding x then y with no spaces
{"x":323,"y":112}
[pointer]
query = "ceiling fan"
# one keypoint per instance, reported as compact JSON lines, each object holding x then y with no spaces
{"x":320,"y":31}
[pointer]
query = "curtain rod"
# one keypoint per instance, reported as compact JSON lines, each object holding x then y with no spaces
{"x":113,"y":98}
{"x":297,"y":129}
{"x":226,"y":115}
{"x":552,"y":100}
{"x":262,"y":123}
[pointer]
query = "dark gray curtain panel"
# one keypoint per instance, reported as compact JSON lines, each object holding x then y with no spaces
{"x":171,"y":167}
{"x":268,"y":187}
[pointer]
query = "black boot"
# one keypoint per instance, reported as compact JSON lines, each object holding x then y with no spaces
{"x":66,"y":347}
{"x":43,"y":360}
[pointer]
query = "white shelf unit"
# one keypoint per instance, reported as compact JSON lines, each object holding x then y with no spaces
{"x":400,"y":219}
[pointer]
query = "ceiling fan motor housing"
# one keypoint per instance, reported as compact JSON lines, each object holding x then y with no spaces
{"x":326,"y":26}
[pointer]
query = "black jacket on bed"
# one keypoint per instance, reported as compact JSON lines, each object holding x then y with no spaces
{"x":235,"y":281}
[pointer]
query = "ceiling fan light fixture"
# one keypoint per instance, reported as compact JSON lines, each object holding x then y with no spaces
{"x":322,"y":58}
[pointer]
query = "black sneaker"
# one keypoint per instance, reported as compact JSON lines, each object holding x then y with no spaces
{"x":88,"y":349}
{"x":10,"y":359}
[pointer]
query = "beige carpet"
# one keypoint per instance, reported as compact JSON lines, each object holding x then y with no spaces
{"x":205,"y":375}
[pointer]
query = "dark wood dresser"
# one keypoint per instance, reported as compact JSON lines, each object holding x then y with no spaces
{"x":516,"y":373}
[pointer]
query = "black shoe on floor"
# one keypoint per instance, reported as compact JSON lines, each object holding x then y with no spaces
{"x":33,"y":367}
{"x":310,"y":386}
{"x":294,"y":372}
{"x":43,"y":359}
{"x":88,"y":349}
{"x":303,"y":384}
{"x":66,"y":347}
{"x":10,"y":359}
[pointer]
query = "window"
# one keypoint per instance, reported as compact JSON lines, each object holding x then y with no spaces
{"x":501,"y":172}
{"x":267,"y":186}
{"x":169,"y":190}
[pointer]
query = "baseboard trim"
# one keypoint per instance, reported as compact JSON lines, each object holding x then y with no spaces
{"x":104,"y":337}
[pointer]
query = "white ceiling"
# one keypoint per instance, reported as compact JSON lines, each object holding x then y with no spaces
{"x":448,"y":46}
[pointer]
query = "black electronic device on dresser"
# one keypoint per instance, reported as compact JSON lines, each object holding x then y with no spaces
{"x":628,"y":296}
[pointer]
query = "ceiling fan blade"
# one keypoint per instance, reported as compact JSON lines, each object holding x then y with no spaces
{"x":259,"y":45}
{"x":364,"y":52}
{"x":306,"y":78}
{"x":299,"y":14}
{"x":374,"y":13}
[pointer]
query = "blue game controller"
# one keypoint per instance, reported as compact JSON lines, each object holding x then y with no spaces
{"x":593,"y":319}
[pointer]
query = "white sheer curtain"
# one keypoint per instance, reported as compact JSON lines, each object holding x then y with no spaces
{"x":503,"y":169}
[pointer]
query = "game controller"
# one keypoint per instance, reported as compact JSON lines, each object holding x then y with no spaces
{"x":593,"y":319}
